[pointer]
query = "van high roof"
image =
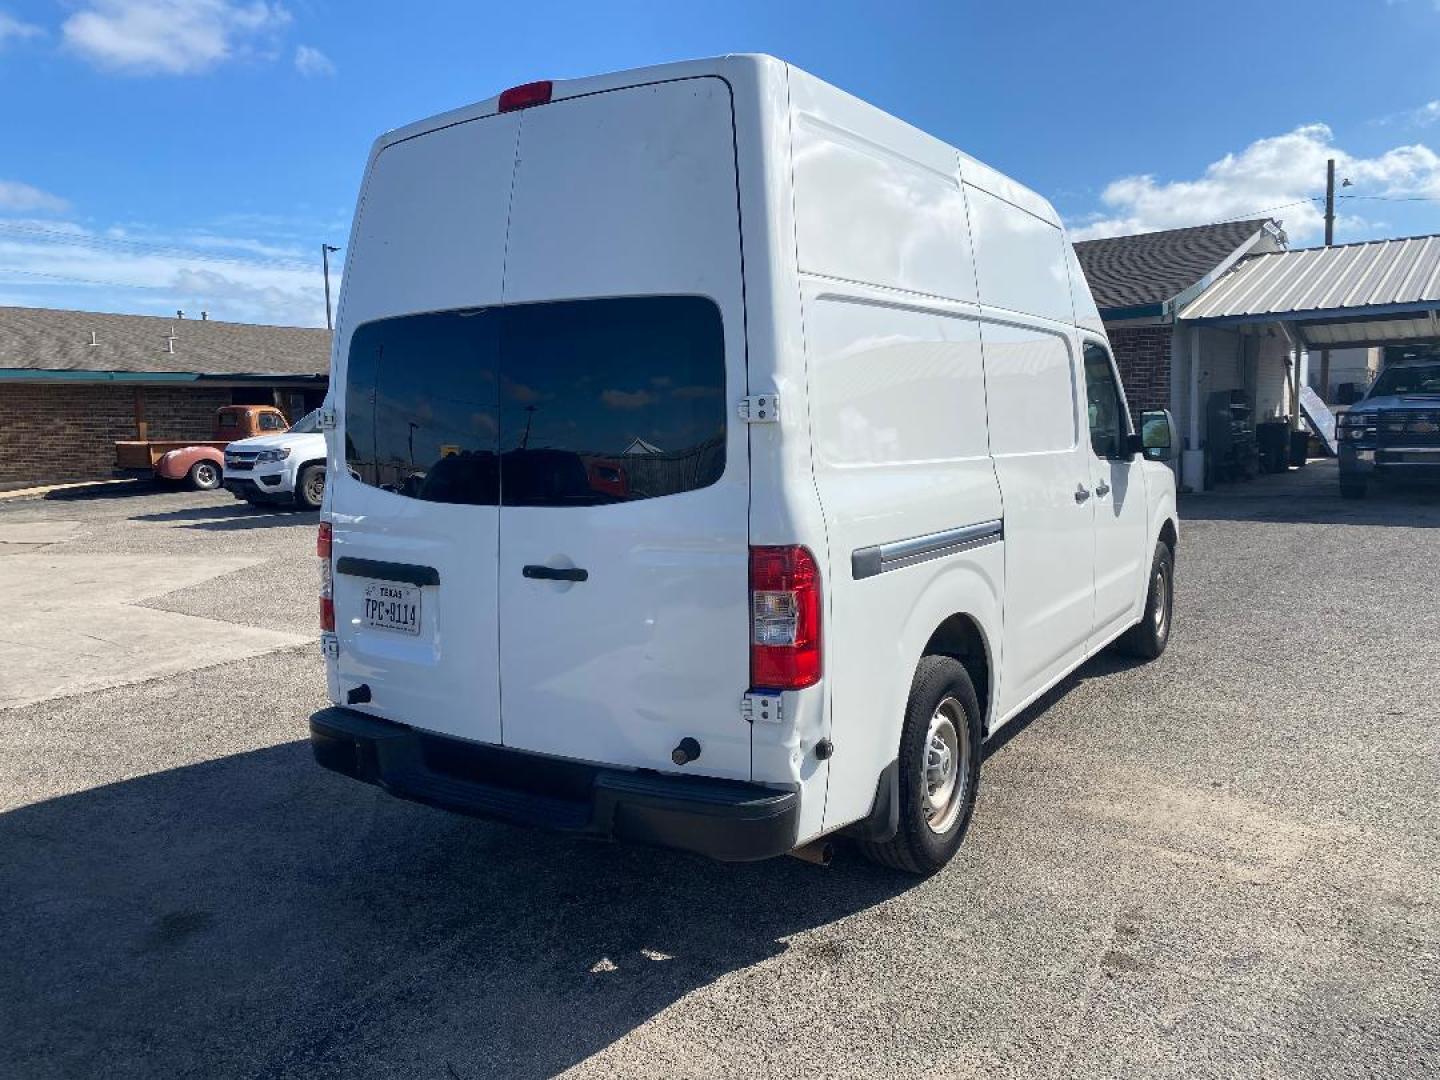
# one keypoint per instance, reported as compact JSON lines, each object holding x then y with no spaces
{"x":735,"y":68}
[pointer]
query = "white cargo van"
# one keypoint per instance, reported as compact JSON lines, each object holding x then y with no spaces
{"x":716,"y":461}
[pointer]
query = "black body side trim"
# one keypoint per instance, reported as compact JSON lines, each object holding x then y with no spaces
{"x":878,"y":558}
{"x":724,"y":819}
{"x":409,"y":573}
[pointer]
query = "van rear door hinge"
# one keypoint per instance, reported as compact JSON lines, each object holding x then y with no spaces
{"x":327,"y":419}
{"x":760,"y":409}
{"x":765,"y":707}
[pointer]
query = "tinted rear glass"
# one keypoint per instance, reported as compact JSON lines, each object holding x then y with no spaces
{"x":421,"y":411}
{"x":574,"y":403}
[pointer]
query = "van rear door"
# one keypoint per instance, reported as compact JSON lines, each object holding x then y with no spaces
{"x":414,"y":495}
{"x":623,"y":569}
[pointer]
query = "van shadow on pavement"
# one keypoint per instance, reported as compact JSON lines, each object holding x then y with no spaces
{"x":255,"y":915}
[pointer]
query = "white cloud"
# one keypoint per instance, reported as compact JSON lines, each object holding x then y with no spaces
{"x":1279,"y":171}
{"x":266,"y":279}
{"x":310,"y":61}
{"x":16,"y":197}
{"x":1420,"y":116}
{"x":13,"y":29}
{"x":171,"y":37}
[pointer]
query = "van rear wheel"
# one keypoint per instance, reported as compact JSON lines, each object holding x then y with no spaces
{"x":939,"y":769}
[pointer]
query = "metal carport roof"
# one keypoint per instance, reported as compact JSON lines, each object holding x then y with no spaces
{"x":1381,"y":290}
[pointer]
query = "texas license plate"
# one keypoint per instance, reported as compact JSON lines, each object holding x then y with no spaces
{"x":392,"y":607}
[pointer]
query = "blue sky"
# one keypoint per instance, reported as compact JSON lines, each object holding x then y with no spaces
{"x":164,"y":154}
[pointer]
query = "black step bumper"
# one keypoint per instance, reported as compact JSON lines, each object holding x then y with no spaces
{"x":724,"y":819}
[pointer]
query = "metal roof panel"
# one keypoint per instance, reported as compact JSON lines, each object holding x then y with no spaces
{"x":1368,"y":275}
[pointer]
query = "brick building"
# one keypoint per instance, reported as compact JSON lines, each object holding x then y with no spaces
{"x":74,"y":382}
{"x":1218,"y":324}
{"x":1141,"y":283}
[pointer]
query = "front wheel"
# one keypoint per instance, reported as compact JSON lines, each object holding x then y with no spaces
{"x":1147,"y":638}
{"x":310,"y":489}
{"x":939,"y":769}
{"x":204,"y":476}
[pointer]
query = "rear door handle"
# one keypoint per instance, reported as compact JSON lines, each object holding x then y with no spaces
{"x":1082,"y":494}
{"x":1103,"y":489}
{"x":555,"y":573}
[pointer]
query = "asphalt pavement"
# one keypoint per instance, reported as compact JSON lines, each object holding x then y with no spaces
{"x":1219,"y":864}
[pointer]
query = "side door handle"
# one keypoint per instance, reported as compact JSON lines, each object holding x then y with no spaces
{"x":1102,"y":489}
{"x":1082,"y":493}
{"x":555,"y":573}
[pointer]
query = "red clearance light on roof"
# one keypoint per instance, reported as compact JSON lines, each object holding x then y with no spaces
{"x":784,"y":618}
{"x":522,"y":97}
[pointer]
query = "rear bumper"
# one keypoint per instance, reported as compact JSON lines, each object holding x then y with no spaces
{"x":724,"y":819}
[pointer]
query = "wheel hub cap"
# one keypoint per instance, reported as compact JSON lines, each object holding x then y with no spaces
{"x":947,"y":765}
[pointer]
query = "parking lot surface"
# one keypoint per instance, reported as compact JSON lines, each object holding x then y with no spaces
{"x":1220,"y":864}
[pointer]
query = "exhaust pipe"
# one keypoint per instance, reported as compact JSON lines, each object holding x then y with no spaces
{"x":819,"y":852}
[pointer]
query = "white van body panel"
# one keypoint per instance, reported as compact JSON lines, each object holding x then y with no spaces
{"x":784,"y":508}
{"x":429,"y":235}
{"x":921,"y":319}
{"x":1041,"y":454}
{"x":1020,"y":259}
{"x":596,"y":670}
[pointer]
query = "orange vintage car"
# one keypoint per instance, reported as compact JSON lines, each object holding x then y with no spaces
{"x":201,"y":463}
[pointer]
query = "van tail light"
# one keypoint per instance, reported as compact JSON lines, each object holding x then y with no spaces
{"x":522,"y":97}
{"x":784,"y":618}
{"x":327,"y":578}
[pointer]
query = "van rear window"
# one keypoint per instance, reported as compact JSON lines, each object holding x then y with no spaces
{"x":572,"y":403}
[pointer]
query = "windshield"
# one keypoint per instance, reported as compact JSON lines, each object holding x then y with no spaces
{"x":309,"y":424}
{"x":1408,"y":379}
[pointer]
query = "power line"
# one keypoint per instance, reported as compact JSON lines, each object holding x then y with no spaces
{"x":59,"y":236}
{"x":1394,"y":198}
{"x":1268,"y":209}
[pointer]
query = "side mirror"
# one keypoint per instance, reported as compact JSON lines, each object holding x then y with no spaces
{"x":1134,"y":444}
{"x":1157,"y":435}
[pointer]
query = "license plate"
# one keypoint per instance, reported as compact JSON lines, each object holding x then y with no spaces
{"x":392,"y":607}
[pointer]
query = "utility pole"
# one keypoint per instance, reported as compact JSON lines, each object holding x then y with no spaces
{"x":326,"y":249}
{"x":1329,"y":242}
{"x":1330,"y":203}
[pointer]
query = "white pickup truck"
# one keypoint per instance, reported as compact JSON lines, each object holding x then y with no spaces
{"x":286,"y":467}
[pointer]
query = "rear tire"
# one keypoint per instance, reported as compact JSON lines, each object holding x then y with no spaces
{"x":310,"y":487}
{"x":939,"y":769}
{"x":1147,"y":638}
{"x":204,"y":476}
{"x":1354,"y":489}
